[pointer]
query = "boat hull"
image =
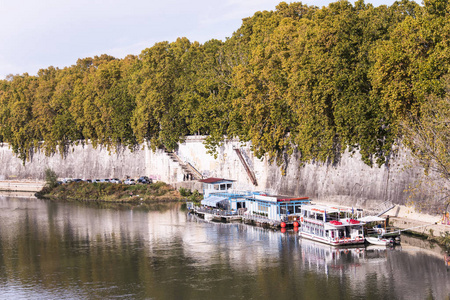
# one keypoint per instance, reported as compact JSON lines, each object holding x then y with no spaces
{"x":342,"y":242}
{"x":379,"y":241}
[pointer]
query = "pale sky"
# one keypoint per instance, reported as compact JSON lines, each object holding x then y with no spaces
{"x":36,"y":34}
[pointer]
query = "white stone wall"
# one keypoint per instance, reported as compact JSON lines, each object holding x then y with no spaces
{"x":85,"y":162}
{"x":349,"y":182}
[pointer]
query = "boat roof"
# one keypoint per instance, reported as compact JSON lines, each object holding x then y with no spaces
{"x":231,"y":193}
{"x":326,"y":209}
{"x":212,"y":200}
{"x":319,"y":208}
{"x":277,"y":198}
{"x":369,"y":219}
{"x":215,"y":180}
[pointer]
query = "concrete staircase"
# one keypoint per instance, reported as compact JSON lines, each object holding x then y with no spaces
{"x":188,"y":170}
{"x":250,"y":173}
{"x":385,"y":207}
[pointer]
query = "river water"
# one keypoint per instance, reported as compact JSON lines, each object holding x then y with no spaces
{"x":71,"y":251}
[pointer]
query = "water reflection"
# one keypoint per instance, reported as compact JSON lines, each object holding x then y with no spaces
{"x":65,"y":250}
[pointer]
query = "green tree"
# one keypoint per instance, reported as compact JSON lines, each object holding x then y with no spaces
{"x":51,"y":179}
{"x":428,"y":138}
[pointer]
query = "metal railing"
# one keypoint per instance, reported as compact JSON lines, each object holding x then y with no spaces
{"x":217,"y":212}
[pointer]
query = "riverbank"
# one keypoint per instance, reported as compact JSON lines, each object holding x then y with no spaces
{"x":434,"y":232}
{"x":111,"y":192}
{"x":21,"y":185}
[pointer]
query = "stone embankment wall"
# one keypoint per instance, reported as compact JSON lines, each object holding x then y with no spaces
{"x":86,"y":162}
{"x":348,"y":182}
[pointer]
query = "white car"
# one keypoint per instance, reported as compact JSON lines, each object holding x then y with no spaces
{"x":115,"y":180}
{"x":130,"y":181}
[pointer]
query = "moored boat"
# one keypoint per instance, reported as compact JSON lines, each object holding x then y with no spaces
{"x":378,"y":231}
{"x":331,"y":225}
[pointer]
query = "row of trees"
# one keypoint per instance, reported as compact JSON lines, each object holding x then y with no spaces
{"x":299,"y":78}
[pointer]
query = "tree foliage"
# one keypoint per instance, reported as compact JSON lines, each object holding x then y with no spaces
{"x":299,"y":78}
{"x":429,"y":138}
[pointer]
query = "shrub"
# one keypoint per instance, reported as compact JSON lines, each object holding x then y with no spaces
{"x":158,"y":185}
{"x":195,"y":196}
{"x":184,"y":192}
{"x":444,"y":240}
{"x":51,"y":180}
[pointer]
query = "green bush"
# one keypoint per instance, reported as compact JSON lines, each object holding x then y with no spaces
{"x":51,"y":179}
{"x":195,"y":196}
{"x":157,"y":185}
{"x":184,"y":192}
{"x":444,"y":240}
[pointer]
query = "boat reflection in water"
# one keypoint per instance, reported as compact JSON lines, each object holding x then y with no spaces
{"x":322,"y":257}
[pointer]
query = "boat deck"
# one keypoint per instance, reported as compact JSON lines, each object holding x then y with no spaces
{"x":228,"y":217}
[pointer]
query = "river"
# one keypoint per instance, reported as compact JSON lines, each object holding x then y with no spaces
{"x":73,"y":251}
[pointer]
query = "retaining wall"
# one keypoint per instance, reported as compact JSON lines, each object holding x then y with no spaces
{"x":349,"y":182}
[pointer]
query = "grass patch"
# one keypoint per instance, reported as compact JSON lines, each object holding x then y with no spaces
{"x":111,"y":192}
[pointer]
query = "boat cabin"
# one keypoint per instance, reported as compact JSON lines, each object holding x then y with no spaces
{"x":231,"y":200}
{"x":220,"y":193}
{"x":214,"y":185}
{"x":277,"y":208}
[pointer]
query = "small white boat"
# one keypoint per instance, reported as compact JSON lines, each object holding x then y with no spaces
{"x":208,"y":217}
{"x":380,"y":241}
{"x":378,"y":233}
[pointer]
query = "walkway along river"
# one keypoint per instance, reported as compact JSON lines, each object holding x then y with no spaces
{"x":71,"y":250}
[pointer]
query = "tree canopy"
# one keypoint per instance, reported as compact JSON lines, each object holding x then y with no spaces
{"x":299,"y":78}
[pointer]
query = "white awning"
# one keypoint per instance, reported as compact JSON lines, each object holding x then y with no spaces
{"x":213,"y":200}
{"x":369,"y":219}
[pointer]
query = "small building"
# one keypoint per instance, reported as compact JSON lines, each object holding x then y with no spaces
{"x":220,"y":193}
{"x":214,"y":185}
{"x":277,"y":208}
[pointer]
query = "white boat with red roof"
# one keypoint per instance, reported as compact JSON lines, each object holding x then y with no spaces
{"x":337,"y":226}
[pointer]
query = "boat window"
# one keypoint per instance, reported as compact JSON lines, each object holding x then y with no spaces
{"x":262,"y":207}
{"x":320,"y":217}
{"x":332,"y":216}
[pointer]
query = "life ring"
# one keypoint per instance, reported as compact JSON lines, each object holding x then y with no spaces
{"x":346,"y":251}
{"x":301,"y":219}
{"x":379,"y":231}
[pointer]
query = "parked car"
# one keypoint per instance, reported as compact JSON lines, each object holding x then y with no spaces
{"x":115,"y":180}
{"x":77,"y":180}
{"x":88,"y":180}
{"x":144,"y":180}
{"x":67,"y":180}
{"x":96,"y":181}
{"x":130,"y":181}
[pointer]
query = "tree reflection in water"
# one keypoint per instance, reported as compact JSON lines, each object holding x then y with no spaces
{"x":66,"y":250}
